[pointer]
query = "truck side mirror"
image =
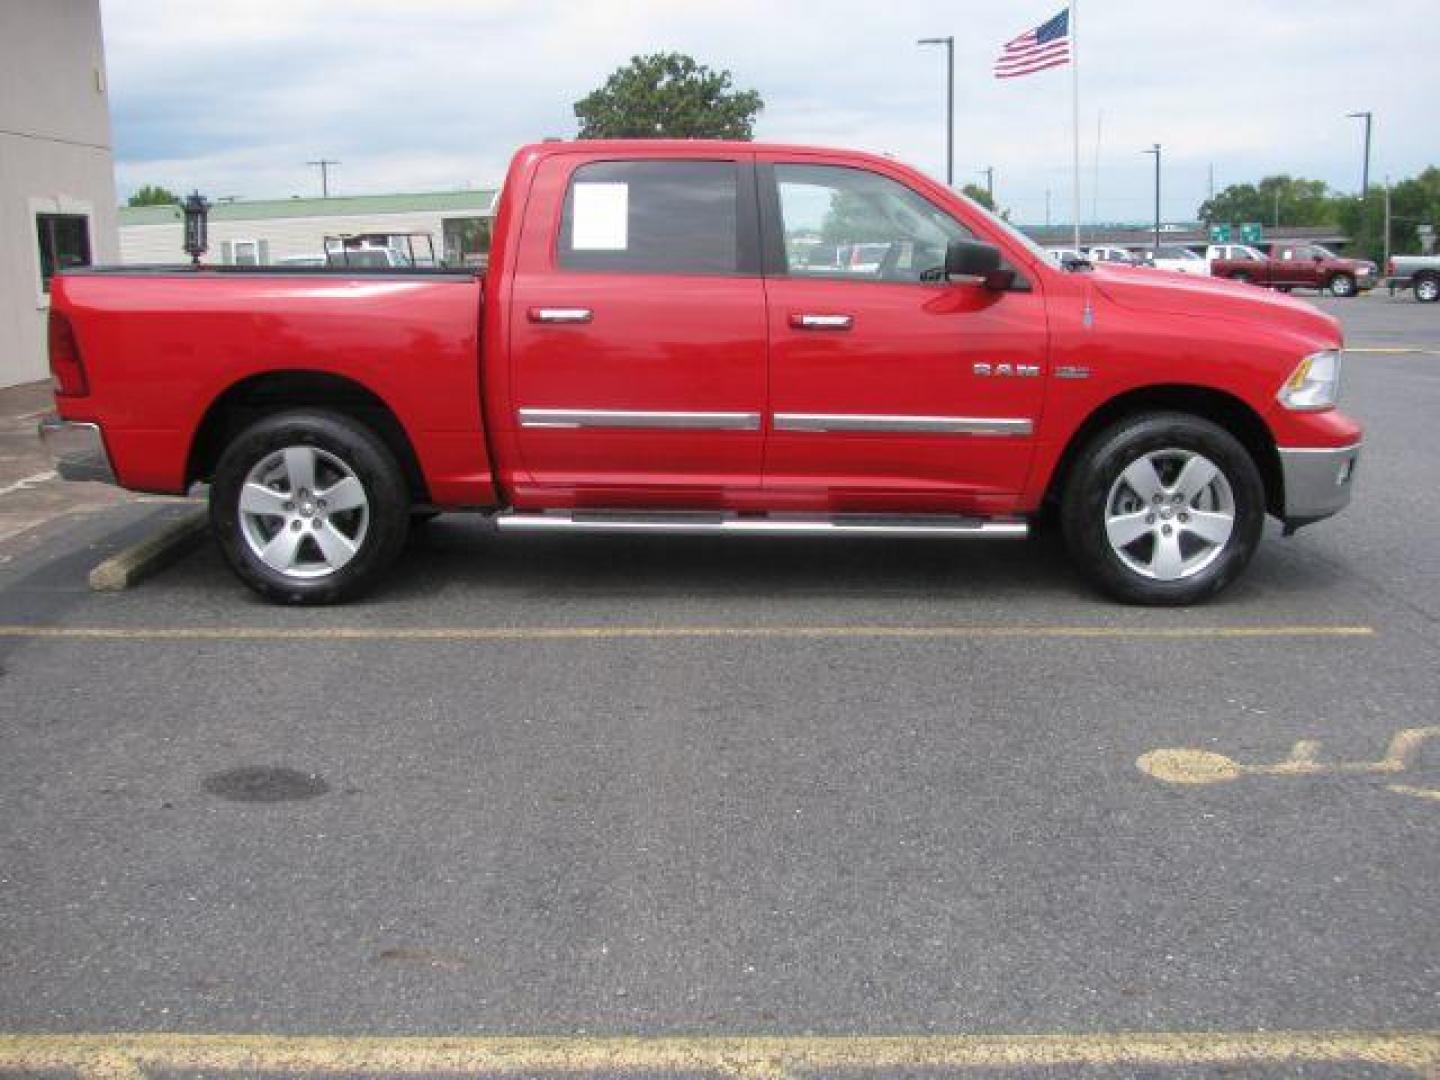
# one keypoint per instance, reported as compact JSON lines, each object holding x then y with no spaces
{"x":976,"y":259}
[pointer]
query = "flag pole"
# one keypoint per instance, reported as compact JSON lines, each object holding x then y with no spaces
{"x":1075,"y":108}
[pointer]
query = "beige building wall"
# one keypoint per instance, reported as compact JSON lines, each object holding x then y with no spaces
{"x":161,"y":243}
{"x":55,"y":157}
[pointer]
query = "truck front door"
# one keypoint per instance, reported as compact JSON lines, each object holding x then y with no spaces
{"x":637,"y":344}
{"x":890,"y":388}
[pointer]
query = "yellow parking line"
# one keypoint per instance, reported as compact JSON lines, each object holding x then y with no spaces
{"x":606,"y":633}
{"x":96,"y":1056}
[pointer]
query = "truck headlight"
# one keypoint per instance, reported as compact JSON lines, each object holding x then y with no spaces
{"x":1314,"y":384}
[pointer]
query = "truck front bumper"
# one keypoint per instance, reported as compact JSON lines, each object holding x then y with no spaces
{"x":1318,"y":481}
{"x":77,"y":448}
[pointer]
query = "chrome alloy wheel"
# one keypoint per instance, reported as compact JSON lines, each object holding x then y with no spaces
{"x":304,"y":512}
{"x":1170,"y":514}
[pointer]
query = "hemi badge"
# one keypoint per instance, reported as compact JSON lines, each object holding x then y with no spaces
{"x":1068,"y":371}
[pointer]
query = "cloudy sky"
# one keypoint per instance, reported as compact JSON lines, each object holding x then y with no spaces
{"x":234,"y":96}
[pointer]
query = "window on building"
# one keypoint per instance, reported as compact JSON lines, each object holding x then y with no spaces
{"x":64,"y":243}
{"x":652,"y":217}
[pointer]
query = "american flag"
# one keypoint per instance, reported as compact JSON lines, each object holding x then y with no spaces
{"x":1047,"y":46}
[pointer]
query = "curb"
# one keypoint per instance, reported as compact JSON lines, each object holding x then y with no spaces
{"x":157,"y":551}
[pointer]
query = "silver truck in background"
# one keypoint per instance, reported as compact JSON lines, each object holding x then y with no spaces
{"x":1418,"y":272}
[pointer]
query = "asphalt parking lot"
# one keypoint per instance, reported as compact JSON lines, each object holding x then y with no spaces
{"x":736,"y":801}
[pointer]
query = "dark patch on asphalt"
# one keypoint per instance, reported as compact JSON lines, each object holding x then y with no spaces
{"x":265,"y":784}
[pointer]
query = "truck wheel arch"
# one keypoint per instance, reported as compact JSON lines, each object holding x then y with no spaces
{"x":256,"y":396}
{"x":1222,"y":408}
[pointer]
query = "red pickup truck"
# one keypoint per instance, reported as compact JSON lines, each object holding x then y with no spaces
{"x":1292,"y":266}
{"x":652,"y":348}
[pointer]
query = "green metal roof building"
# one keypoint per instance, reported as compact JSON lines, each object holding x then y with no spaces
{"x":270,"y":231}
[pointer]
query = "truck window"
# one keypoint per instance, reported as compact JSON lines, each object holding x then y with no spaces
{"x":841,"y":222}
{"x":652,"y":217}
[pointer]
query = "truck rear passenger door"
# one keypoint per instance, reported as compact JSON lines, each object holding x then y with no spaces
{"x":637,"y":332}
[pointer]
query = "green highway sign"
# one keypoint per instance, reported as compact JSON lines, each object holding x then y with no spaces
{"x":1251,"y":232}
{"x":1219,"y":234}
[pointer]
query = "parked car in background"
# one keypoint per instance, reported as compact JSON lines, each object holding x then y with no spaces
{"x":1065,"y":256}
{"x":1238,"y":262}
{"x":643,"y":356}
{"x":863,"y":258}
{"x":1311,"y":266}
{"x":1174,"y":257}
{"x":1115,"y":256}
{"x":1418,"y":272}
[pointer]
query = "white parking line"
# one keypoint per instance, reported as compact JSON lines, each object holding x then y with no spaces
{"x":27,"y":483}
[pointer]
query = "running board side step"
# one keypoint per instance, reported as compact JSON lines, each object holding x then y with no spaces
{"x":713,"y":524}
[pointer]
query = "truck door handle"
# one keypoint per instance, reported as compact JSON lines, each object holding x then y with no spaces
{"x":561,"y":314}
{"x":801,"y":321}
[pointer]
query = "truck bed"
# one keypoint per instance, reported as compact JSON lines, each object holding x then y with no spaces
{"x":162,"y":345}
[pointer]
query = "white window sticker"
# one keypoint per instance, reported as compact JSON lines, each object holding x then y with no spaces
{"x":601,"y":217}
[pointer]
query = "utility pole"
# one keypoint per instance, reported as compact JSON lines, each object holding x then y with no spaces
{"x":989,"y":173}
{"x":1047,"y":209}
{"x":1156,"y":151}
{"x":1386,"y":261}
{"x":949,"y":43}
{"x":1277,"y":206}
{"x":324,"y":165}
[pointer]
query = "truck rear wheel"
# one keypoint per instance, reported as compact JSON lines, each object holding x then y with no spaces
{"x":309,"y":507}
{"x":1163,"y":509}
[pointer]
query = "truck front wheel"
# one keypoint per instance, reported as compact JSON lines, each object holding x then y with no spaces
{"x":1342,"y":285}
{"x":309,"y":507}
{"x":1427,"y":288}
{"x":1163,"y":508}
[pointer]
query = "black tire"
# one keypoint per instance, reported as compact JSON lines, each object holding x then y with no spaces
{"x":1427,"y":288}
{"x":1343,"y":285}
{"x":1096,"y":475}
{"x":335,"y":440}
{"x":422,"y":517}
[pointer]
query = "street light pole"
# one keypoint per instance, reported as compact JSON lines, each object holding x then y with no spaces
{"x":1156,"y":151}
{"x":949,"y":43}
{"x":1365,"y":171}
{"x":989,"y":173}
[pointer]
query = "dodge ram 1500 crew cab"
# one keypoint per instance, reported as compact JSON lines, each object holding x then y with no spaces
{"x":1292,"y":266}
{"x":664,"y":340}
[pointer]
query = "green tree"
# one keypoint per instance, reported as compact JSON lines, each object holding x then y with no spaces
{"x":153,"y":195}
{"x":979,"y":194}
{"x":1297,"y":201}
{"x":668,"y":95}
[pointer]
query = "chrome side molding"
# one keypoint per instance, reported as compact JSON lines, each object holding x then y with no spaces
{"x":639,"y":419}
{"x":902,"y":424}
{"x":706,"y":524}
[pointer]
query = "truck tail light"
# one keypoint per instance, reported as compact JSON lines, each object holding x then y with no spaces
{"x":1389,"y":267}
{"x":66,"y":367}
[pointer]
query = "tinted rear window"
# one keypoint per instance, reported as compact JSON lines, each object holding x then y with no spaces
{"x":652,"y":217}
